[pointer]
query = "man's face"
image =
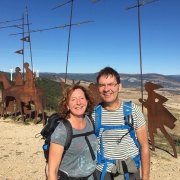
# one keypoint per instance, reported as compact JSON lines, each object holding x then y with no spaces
{"x":109,"y":88}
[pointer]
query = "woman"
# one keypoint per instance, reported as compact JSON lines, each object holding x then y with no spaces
{"x":77,"y":162}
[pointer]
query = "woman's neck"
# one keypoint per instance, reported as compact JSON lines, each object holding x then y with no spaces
{"x":78,"y":123}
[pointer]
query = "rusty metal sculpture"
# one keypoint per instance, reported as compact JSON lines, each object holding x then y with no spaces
{"x":25,"y":93}
{"x":18,"y":79}
{"x":158,"y":115}
{"x":94,"y":89}
{"x":26,"y":109}
{"x":2,"y":110}
{"x":11,"y":106}
{"x":62,"y":84}
{"x":10,"y":100}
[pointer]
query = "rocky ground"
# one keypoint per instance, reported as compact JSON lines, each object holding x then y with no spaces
{"x":22,"y":158}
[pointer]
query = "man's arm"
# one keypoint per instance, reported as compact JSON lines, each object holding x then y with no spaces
{"x":145,"y":154}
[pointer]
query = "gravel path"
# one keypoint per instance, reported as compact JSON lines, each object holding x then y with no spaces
{"x":22,"y":158}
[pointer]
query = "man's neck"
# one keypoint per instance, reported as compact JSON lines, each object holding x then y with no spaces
{"x":112,"y":106}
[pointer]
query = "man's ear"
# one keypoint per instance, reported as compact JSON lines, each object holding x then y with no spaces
{"x":120,"y":87}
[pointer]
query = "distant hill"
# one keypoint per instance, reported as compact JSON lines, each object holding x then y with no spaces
{"x":128,"y":80}
{"x":170,"y":82}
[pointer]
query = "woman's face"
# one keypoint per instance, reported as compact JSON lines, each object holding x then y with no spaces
{"x":77,"y":103}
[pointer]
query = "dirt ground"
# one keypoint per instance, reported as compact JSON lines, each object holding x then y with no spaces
{"x":22,"y":158}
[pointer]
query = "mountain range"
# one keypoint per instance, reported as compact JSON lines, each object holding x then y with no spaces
{"x":169,"y":82}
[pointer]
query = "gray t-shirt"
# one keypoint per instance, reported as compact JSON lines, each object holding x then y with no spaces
{"x":77,"y":161}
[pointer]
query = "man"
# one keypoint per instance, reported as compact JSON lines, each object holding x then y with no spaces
{"x":29,"y":84}
{"x":19,"y":79}
{"x":116,"y":146}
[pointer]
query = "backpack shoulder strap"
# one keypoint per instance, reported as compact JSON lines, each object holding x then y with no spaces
{"x":69,"y":130}
{"x":98,"y":115}
{"x":53,"y":122}
{"x":86,"y":134}
{"x":127,"y":109}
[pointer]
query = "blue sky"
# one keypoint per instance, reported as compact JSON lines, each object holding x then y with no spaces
{"x":110,"y":40}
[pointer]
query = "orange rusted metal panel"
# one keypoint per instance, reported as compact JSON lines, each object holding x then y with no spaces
{"x":24,"y":93}
{"x":94,"y":89}
{"x":158,"y":115}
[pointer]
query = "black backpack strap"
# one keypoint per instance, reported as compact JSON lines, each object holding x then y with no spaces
{"x":90,"y":148}
{"x":69,"y":131}
{"x":83,"y":134}
{"x":87,"y":141}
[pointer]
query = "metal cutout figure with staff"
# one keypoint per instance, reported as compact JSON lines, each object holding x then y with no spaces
{"x":158,"y":115}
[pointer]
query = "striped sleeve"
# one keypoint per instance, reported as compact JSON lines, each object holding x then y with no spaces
{"x":138,"y":117}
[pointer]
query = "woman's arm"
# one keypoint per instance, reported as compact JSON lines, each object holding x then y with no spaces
{"x":55,"y":156}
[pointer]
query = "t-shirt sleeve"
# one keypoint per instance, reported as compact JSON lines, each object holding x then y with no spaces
{"x":138,"y":117}
{"x":59,"y":135}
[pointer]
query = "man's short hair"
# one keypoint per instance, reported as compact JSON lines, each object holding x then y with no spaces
{"x":108,"y":71}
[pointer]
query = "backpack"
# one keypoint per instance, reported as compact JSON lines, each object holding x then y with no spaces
{"x":127,"y":109}
{"x":49,"y":128}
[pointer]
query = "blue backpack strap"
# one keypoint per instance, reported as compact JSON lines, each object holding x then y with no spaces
{"x":127,"y":108}
{"x":98,"y":125}
{"x":98,"y":112}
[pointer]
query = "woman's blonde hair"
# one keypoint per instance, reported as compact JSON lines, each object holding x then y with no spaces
{"x":63,"y":111}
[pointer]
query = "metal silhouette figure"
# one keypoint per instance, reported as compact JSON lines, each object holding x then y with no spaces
{"x":62,"y":84}
{"x":25,"y":93}
{"x":9,"y":102}
{"x":158,"y":115}
{"x":26,"y":108}
{"x":18,"y":78}
{"x":29,"y":83}
{"x":2,"y":110}
{"x":94,"y":89}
